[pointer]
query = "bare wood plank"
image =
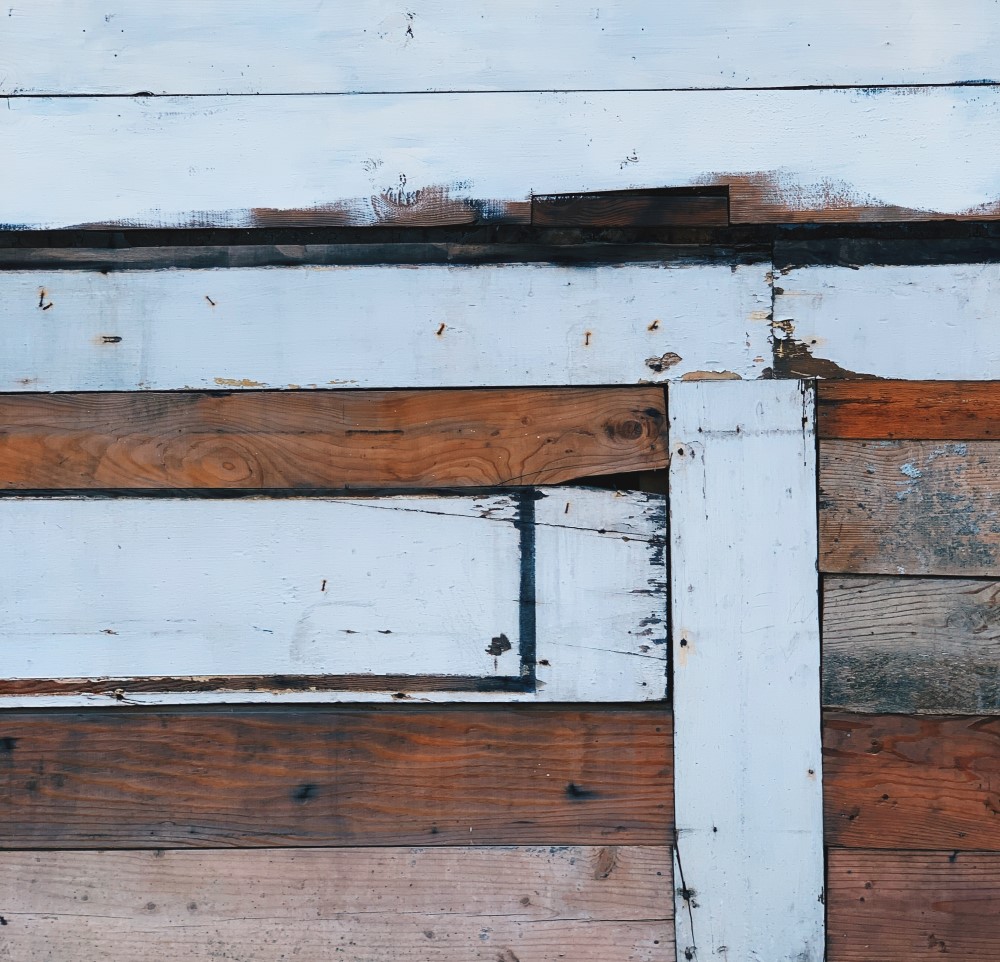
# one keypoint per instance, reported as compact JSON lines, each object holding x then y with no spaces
{"x":382,"y":326}
{"x":609,"y":903}
{"x":746,"y":663}
{"x":302,"y":47}
{"x":896,"y":781}
{"x":911,"y":645}
{"x":331,"y":440}
{"x":888,"y":410}
{"x":910,"y":507}
{"x":914,"y":906}
{"x":350,"y":776}
{"x":630,"y":209}
{"x":786,"y":155}
{"x":890,"y":321}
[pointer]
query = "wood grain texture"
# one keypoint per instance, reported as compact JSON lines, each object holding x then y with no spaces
{"x":630,"y":209}
{"x":889,"y":410}
{"x":911,"y":645}
{"x":609,"y":903}
{"x":907,"y":782}
{"x":909,"y":321}
{"x":553,"y":594}
{"x":302,"y":47}
{"x":913,"y":906}
{"x":746,"y":650}
{"x":910,"y":507}
{"x":804,"y":155}
{"x":382,"y":326}
{"x":332,"y":440}
{"x":350,"y":776}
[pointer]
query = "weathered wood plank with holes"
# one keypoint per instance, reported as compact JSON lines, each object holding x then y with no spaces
{"x":799,"y":155}
{"x":345,"y":776}
{"x":910,"y":507}
{"x":591,"y":903}
{"x":381,"y":326}
{"x":914,"y":906}
{"x":897,"y":781}
{"x":889,"y":410}
{"x":304,"y":47}
{"x":917,"y":322}
{"x":911,"y":644}
{"x":746,"y":670}
{"x":329,"y":439}
{"x":555,"y":595}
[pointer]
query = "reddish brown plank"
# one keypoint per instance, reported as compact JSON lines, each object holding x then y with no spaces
{"x":328,"y":439}
{"x":913,"y":906}
{"x":897,"y":781}
{"x":631,"y":209}
{"x":346,"y":776}
{"x":918,"y":410}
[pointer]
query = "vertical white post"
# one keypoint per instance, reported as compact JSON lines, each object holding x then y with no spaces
{"x":749,"y":854}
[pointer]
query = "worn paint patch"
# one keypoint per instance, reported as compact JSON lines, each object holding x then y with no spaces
{"x":711,"y":376}
{"x":793,"y":358}
{"x":238,"y":382}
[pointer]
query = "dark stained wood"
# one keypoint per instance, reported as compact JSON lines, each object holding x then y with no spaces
{"x":911,"y":644}
{"x":630,"y":209}
{"x":328,"y":439}
{"x":590,"y":904}
{"x":346,"y":776}
{"x":913,"y":907}
{"x":910,"y":507}
{"x":919,"y":410}
{"x":913,"y":782}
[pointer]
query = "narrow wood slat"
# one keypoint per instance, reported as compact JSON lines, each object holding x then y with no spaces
{"x":896,"y":781}
{"x":910,"y":507}
{"x":922,"y":410}
{"x":913,"y":906}
{"x":401,"y":776}
{"x":630,"y":209}
{"x":911,"y":644}
{"x":333,"y":440}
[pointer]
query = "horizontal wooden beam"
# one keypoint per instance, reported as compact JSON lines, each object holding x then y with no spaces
{"x":425,"y":159}
{"x":350,"y":776}
{"x":900,"y":644}
{"x":887,"y":410}
{"x":630,"y":209}
{"x":330,"y":439}
{"x":913,"y":906}
{"x":909,"y":507}
{"x":897,"y":781}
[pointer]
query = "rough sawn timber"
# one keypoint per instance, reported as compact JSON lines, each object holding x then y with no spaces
{"x":382,"y":326}
{"x":746,"y":650}
{"x":399,"y":775}
{"x":328,"y":439}
{"x":910,"y":507}
{"x":802,"y":155}
{"x":911,"y":644}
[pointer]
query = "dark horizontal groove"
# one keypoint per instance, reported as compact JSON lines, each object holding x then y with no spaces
{"x":146,"y":94}
{"x":854,"y":576}
{"x":858,"y":251}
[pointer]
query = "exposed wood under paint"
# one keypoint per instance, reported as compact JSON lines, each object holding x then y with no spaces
{"x":914,"y":906}
{"x":303,"y":47}
{"x":380,"y":326}
{"x":424,"y":159}
{"x":910,"y":507}
{"x":631,"y":209}
{"x":351,"y":776}
{"x":911,"y":645}
{"x":935,"y":410}
{"x":895,"y":781}
{"x":330,"y":439}
{"x":746,"y":656}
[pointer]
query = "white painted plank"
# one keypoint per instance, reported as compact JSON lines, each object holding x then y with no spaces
{"x":746,"y":672}
{"x":411,"y":586}
{"x":380,"y":326}
{"x":914,"y":322}
{"x":301,"y":46}
{"x":249,"y":161}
